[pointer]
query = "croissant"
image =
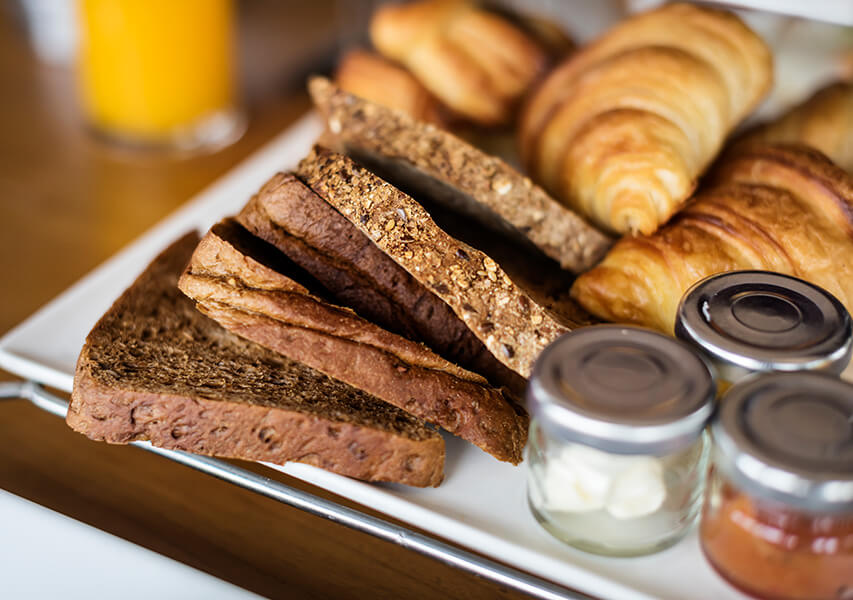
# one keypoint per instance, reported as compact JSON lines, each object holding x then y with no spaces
{"x":770,"y":207}
{"x":824,"y":121}
{"x":372,"y":77}
{"x":621,"y":130}
{"x":476,"y":62}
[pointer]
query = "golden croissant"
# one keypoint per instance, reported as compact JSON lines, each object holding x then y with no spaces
{"x":621,"y":130}
{"x":782,"y":208}
{"x":372,"y":77}
{"x":476,"y":62}
{"x":824,"y":121}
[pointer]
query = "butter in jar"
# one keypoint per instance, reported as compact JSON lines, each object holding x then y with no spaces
{"x":617,"y":455}
{"x":778,"y":517}
{"x":757,"y":321}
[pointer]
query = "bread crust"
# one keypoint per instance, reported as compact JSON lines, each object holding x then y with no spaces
{"x":257,"y":433}
{"x":474,"y":182}
{"x":512,"y":326}
{"x":154,"y":368}
{"x":275,"y":311}
{"x":290,"y":216}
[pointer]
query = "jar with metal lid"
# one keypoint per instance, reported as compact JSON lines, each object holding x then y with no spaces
{"x":617,"y":455}
{"x":757,"y":321}
{"x":778,"y":517}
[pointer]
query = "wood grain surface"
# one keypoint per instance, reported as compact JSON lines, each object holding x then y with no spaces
{"x":67,"y":203}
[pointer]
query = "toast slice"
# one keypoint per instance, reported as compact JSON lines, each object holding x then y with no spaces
{"x":511,"y":323}
{"x":255,"y":291}
{"x":425,"y":160}
{"x":290,"y":216}
{"x":154,"y":368}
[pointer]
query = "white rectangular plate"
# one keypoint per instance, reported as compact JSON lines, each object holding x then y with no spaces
{"x":481,"y":504}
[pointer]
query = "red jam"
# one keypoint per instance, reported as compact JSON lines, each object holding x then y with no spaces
{"x":775,"y":552}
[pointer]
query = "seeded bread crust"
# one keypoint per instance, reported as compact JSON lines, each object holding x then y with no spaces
{"x":290,"y":216}
{"x":154,"y":368}
{"x":457,"y":174}
{"x":511,"y":325}
{"x":274,"y":310}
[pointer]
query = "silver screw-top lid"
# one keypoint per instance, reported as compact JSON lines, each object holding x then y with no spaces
{"x":789,"y":437}
{"x":748,"y":321}
{"x":621,"y":389}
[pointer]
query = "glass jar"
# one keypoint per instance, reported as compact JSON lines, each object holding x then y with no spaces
{"x":616,"y":455}
{"x":757,"y":321}
{"x":778,"y":517}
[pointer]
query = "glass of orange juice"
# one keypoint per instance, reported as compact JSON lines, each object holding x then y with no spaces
{"x":160,"y":73}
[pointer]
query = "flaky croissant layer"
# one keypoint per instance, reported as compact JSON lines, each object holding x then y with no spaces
{"x":622,"y":130}
{"x":779,"y":208}
{"x":823,"y":121}
{"x":476,"y":62}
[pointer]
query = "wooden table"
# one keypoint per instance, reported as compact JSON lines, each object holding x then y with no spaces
{"x":68,"y":203}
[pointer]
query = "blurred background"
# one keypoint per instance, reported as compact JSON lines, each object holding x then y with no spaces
{"x":92,"y":196}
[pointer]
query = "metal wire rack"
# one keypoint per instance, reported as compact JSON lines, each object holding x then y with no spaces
{"x":327,"y":509}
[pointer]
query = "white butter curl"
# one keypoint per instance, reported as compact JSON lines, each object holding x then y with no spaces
{"x":583,"y":479}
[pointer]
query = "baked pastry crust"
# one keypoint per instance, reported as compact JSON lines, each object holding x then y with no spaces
{"x":823,"y":121}
{"x":476,"y":62}
{"x":622,"y":129}
{"x":372,"y":77}
{"x":774,"y":207}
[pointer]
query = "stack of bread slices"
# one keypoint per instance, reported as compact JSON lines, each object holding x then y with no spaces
{"x":398,"y":281}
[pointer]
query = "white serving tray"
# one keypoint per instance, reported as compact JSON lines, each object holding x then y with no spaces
{"x":481,"y":505}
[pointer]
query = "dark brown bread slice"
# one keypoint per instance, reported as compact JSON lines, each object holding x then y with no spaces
{"x":253,"y":290}
{"x":154,"y":368}
{"x":421,"y":158}
{"x":290,"y":216}
{"x":514,"y":327}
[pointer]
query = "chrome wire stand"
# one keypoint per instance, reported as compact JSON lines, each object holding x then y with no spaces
{"x":310,"y":503}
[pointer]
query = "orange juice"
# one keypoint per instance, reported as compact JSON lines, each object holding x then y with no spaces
{"x":153,"y":70}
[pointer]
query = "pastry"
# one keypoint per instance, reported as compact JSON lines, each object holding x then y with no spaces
{"x":372,"y":77}
{"x":823,"y":121}
{"x":623,"y":128}
{"x":476,"y":62}
{"x":773,"y":207}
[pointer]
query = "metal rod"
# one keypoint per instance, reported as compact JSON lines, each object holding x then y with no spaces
{"x":445,"y":553}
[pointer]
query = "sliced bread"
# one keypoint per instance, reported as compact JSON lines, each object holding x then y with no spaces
{"x":512,"y":325}
{"x":253,"y":290}
{"x":289,"y":215}
{"x":423,"y":159}
{"x":154,"y":368}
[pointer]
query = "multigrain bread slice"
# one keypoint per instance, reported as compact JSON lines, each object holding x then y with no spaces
{"x":512,"y":325}
{"x":423,"y":159}
{"x":154,"y":368}
{"x":290,"y":216}
{"x":255,"y":291}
